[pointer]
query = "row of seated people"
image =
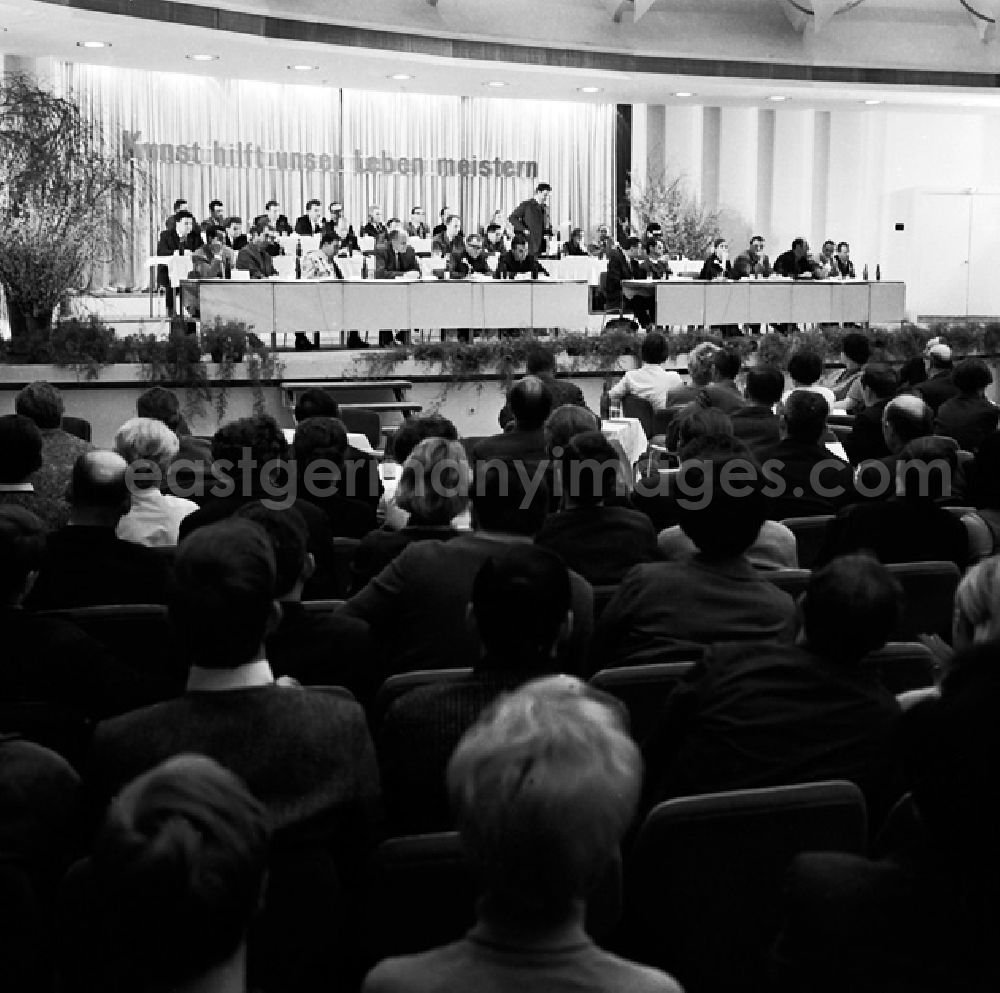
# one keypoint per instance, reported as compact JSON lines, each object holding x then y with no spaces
{"x":751,"y":713}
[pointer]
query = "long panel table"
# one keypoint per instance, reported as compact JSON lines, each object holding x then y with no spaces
{"x":772,"y":301}
{"x":286,"y":307}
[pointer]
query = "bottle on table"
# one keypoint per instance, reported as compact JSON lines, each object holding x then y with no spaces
{"x":364,"y":266}
{"x":298,"y":259}
{"x":864,"y":273}
{"x":605,"y":406}
{"x":878,"y":271}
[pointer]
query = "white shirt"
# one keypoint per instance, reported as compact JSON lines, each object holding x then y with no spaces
{"x":242,"y":677}
{"x":649,"y":382}
{"x":154,"y":518}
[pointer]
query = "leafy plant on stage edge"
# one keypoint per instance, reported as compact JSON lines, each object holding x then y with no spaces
{"x":688,"y":228}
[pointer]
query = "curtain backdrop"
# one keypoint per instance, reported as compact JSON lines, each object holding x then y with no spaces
{"x":300,"y":142}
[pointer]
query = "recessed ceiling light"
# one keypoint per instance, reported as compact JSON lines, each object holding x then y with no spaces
{"x":202,"y":58}
{"x":590,"y":89}
{"x":683,"y":93}
{"x":401,"y":76}
{"x":496,"y":83}
{"x":777,"y":98}
{"x":872,"y":103}
{"x":93,"y":44}
{"x":303,"y":68}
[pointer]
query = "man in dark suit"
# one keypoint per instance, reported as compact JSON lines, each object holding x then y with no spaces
{"x":311,"y":222}
{"x":804,"y":478}
{"x":395,"y":257}
{"x":449,"y":241}
{"x":939,"y":385}
{"x":968,"y":417}
{"x":255,"y":257}
{"x":717,"y":264}
{"x":471,"y":259}
{"x":756,"y":424}
{"x":518,"y":261}
{"x":173,"y":241}
{"x":216,"y":217}
{"x":541,"y":363}
{"x":530,"y":219}
{"x":624,"y":263}
{"x":374,"y":228}
{"x":796,"y":263}
{"x":530,"y":402}
{"x":715,"y":596}
{"x":426,"y":590}
{"x":867,"y":439}
{"x":85,"y":563}
{"x":235,"y":238}
{"x":904,"y":419}
{"x":751,"y":716}
{"x":305,"y":754}
{"x":593,"y":536}
{"x":276,"y":218}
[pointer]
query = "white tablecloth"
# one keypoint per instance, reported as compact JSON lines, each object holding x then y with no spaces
{"x":628,"y":432}
{"x":576,"y":267}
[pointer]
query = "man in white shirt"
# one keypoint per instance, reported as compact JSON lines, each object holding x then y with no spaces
{"x":650,"y":381}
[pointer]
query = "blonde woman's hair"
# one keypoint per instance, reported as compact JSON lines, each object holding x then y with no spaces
{"x":434,"y":484}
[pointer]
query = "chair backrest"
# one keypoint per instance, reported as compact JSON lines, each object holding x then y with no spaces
{"x":642,"y":410}
{"x":401,"y":684}
{"x":643,"y":689}
{"x":792,"y":581}
{"x":322,"y":606}
{"x":929,"y":597}
{"x":358,"y":420}
{"x":77,"y":426}
{"x":344,"y":550}
{"x":703,"y":890}
{"x":810,"y":533}
{"x":903,"y":665}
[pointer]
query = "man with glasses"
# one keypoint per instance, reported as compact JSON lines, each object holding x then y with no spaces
{"x":468,"y":260}
{"x":255,"y":257}
{"x":753,"y":262}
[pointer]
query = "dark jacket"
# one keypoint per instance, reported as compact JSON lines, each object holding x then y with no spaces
{"x":937,"y":389}
{"x":867,"y":440}
{"x":168,"y":243}
{"x":714,"y":269}
{"x":531,"y":219}
{"x":379,"y":548}
{"x":620,"y":267}
{"x":376,"y":231}
{"x":390,"y":263}
{"x":305,"y":227}
{"x":745,"y":266}
{"x":756,"y":426}
{"x":787,"y":265}
{"x":461,"y":264}
{"x":257,"y":260}
{"x":564,"y":391}
{"x":812,"y":481}
{"x":967,"y":419}
{"x":508,"y":266}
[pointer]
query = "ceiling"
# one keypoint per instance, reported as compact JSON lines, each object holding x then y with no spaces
{"x":703,"y":47}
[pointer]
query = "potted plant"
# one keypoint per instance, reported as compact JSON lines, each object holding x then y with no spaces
{"x":225,"y":341}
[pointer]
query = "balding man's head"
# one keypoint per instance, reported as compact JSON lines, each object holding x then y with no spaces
{"x":530,"y":403}
{"x":905,"y":418}
{"x":98,"y":492}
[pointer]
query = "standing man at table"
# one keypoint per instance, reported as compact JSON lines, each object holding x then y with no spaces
{"x":311,"y":222}
{"x":518,"y":261}
{"x":174,"y":243}
{"x":276,"y":218}
{"x":417,"y":227}
{"x":450,"y":240}
{"x":530,"y":218}
{"x":624,"y":263}
{"x":255,"y":258}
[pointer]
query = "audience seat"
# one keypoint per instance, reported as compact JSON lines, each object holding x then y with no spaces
{"x":50,"y":724}
{"x":703,"y":889}
{"x":344,"y":550}
{"x":643,"y":689}
{"x":322,"y":606}
{"x":401,"y":684}
{"x":77,"y":426}
{"x":810,"y":534}
{"x":929,"y":596}
{"x":359,"y":420}
{"x":792,"y":581}
{"x":904,"y":665}
{"x":423,"y":894}
{"x":654,"y":425}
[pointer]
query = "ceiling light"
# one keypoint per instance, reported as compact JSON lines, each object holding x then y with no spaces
{"x":202,"y":58}
{"x":590,"y":89}
{"x":401,"y":76}
{"x":777,"y":98}
{"x":93,"y":44}
{"x":872,"y":103}
{"x":303,"y":68}
{"x":496,"y":83}
{"x":683,"y":93}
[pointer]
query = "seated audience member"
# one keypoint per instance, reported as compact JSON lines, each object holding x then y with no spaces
{"x":867,"y":437}
{"x":162,"y":404}
{"x":541,"y":363}
{"x":517,"y":262}
{"x":180,"y":866}
{"x":701,"y":365}
{"x":85,"y":563}
{"x":804,"y":479}
{"x":395,"y":257}
{"x":20,"y":459}
{"x":624,"y":263}
{"x":471,"y":260}
{"x":433,"y":490}
{"x":753,"y":263}
{"x":904,"y":419}
{"x":259,"y":443}
{"x":650,"y":382}
{"x":697,"y":420}
{"x":320,"y":263}
{"x":154,"y":517}
{"x":846,"y":385}
{"x":311,"y":222}
{"x":420,"y":730}
{"x":911,"y":374}
{"x":984,"y":494}
{"x":599,"y":541}
{"x":723,"y":392}
{"x":320,"y":448}
{"x":796,"y":263}
{"x":209,"y":261}
{"x":416,"y":226}
{"x":575,"y":245}
{"x":561,"y":425}
{"x":715,"y":596}
{"x":416,"y":606}
{"x":44,"y":658}
{"x":305,"y":754}
{"x":911,"y":526}
{"x":539,"y":841}
{"x":530,"y":401}
{"x":717,"y":265}
{"x":756,"y":423}
{"x":750,"y":715}
{"x":939,"y":385}
{"x":255,"y":256}
{"x":314,"y":648}
{"x":968,"y":417}
{"x":448,"y":241}
{"x":42,"y":403}
{"x":805,"y":367}
{"x":920,"y":918}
